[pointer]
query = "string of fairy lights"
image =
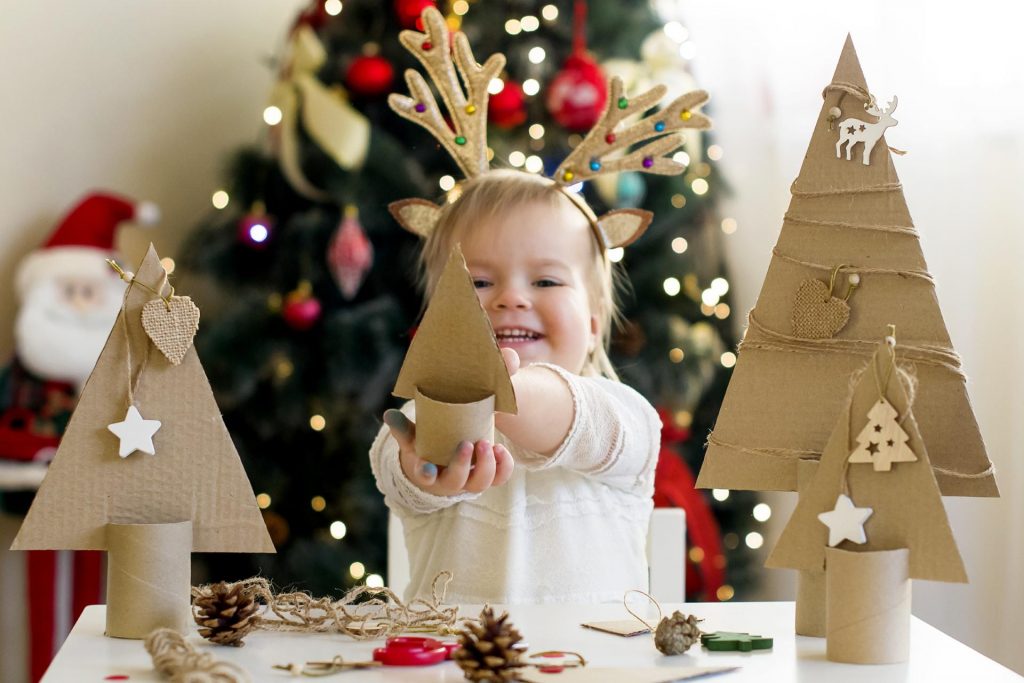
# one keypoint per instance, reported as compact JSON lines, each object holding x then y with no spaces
{"x":709,"y":297}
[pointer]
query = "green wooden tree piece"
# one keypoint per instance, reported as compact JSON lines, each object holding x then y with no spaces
{"x":727,"y":640}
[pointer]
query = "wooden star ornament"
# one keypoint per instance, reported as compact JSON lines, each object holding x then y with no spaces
{"x":845,"y":521}
{"x":135,"y":432}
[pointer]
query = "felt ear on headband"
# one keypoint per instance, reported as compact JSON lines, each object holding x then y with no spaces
{"x":622,"y":227}
{"x":418,"y":216}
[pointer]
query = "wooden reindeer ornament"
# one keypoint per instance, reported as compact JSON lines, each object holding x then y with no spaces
{"x":853,"y":131}
{"x":605,"y":149}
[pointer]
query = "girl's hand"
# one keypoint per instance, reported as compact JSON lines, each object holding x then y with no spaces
{"x":474,"y":469}
{"x":511,"y":358}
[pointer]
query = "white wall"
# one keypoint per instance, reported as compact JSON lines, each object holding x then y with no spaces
{"x":145,"y":98}
{"x":955,"y":67}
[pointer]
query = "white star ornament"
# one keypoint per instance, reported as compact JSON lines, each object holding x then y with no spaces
{"x":845,"y":522}
{"x":135,"y":433}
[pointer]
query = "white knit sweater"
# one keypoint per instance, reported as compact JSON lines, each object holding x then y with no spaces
{"x":569,"y":528}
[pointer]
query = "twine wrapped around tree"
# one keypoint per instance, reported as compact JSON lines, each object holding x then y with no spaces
{"x":382,"y":615}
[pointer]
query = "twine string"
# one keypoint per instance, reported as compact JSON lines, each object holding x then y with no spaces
{"x":918,"y":274}
{"x":134,"y":379}
{"x":865,"y":98}
{"x":637,"y":616}
{"x":174,"y":658}
{"x":384,"y":614}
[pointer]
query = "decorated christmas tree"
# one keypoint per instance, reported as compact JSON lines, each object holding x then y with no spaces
{"x":848,"y":262}
{"x":309,"y":286}
{"x":146,"y":469}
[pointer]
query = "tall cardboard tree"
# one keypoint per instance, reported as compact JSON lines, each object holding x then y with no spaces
{"x":170,"y":461}
{"x":848,"y":261}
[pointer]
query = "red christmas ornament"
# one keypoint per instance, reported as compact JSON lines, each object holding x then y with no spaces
{"x":577,"y":94}
{"x":301,"y":309}
{"x":350,"y":254}
{"x":409,"y":11}
{"x":507,"y":109}
{"x":255,"y":228}
{"x":369,"y":76}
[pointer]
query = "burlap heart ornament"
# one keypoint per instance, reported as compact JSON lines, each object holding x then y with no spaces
{"x":171,"y":325}
{"x":816,"y":313}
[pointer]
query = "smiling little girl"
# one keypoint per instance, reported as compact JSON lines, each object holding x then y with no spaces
{"x":556,"y":510}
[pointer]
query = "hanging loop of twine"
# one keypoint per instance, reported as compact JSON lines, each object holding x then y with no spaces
{"x":637,"y":616}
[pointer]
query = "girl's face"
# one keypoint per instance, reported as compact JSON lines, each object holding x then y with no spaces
{"x":529,"y":268}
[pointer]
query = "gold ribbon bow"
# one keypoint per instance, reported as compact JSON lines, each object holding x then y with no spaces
{"x":336,"y":127}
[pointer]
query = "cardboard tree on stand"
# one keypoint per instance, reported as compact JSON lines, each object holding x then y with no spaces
{"x":146,"y":469}
{"x":872,"y":523}
{"x":848,"y":261}
{"x":454,"y":369}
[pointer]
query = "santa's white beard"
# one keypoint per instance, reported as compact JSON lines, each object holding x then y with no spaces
{"x":55,"y":341}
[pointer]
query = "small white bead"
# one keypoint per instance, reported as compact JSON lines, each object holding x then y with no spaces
{"x":854,"y":279}
{"x":835,"y":112}
{"x":890,"y":340}
{"x":128,"y":276}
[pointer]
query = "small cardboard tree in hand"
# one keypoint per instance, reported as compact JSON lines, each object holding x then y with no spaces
{"x":147,"y":469}
{"x":872,"y":528}
{"x":454,"y":369}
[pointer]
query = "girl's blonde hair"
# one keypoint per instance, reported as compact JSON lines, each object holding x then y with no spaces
{"x":497,"y":192}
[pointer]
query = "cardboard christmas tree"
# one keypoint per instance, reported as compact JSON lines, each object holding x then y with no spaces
{"x":454,"y":369}
{"x":870,"y":520}
{"x":146,"y":468}
{"x":848,"y":261}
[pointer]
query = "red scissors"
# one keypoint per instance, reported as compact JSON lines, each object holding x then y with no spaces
{"x":413,"y":651}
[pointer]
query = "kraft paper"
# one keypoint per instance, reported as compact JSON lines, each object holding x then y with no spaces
{"x":441,"y":427}
{"x":148,"y":578}
{"x":454,"y":367}
{"x":194,"y":475}
{"x":810,"y":584}
{"x":781,"y":403}
{"x":868,"y":606}
{"x":907,"y":505}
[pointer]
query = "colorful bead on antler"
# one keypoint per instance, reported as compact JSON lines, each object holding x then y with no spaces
{"x":593,"y":156}
{"x":467,"y":143}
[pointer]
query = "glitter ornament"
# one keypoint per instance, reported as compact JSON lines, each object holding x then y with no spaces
{"x":350,"y":254}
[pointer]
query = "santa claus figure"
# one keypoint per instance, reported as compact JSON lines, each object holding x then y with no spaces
{"x":69,"y":298}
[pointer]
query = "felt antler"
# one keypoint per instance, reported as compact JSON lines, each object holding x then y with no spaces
{"x":467,"y":144}
{"x":590,"y":158}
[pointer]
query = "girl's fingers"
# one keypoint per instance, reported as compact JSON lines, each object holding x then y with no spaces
{"x":511,"y":358}
{"x":453,"y":479}
{"x":402,"y":428}
{"x":503,"y":465}
{"x":483,"y":473}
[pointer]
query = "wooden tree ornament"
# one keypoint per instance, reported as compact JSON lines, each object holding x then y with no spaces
{"x":849,"y":219}
{"x":454,"y":369}
{"x":853,"y":507}
{"x":148,"y":510}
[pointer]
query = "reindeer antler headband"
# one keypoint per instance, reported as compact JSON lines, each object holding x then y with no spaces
{"x":594,"y":156}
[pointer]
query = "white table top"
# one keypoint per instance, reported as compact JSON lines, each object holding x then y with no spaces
{"x":88,"y":655}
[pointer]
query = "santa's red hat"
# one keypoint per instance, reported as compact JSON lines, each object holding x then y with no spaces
{"x":83,"y":240}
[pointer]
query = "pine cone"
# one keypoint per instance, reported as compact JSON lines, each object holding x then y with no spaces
{"x":225,"y":613}
{"x":677,"y":633}
{"x":487,"y":651}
